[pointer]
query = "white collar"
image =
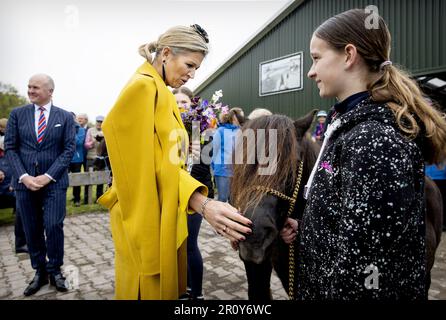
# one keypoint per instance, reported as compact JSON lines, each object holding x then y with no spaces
{"x":47,"y":107}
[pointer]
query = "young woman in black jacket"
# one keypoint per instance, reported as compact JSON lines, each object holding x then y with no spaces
{"x":362,"y":235}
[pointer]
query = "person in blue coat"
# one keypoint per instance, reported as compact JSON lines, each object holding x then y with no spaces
{"x":223,"y":145}
{"x":78,"y":159}
{"x":438,"y":175}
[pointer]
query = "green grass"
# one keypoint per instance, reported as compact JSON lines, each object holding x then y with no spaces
{"x":6,"y":216}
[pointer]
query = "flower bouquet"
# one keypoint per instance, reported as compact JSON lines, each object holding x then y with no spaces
{"x":200,"y":120}
{"x":203,"y":115}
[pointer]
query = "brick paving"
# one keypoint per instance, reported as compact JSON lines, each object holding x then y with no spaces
{"x":89,"y":254}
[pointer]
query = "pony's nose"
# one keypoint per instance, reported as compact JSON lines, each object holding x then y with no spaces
{"x":250,"y":254}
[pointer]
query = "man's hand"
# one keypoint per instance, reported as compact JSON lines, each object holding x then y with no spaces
{"x":31,"y":183}
{"x":43,"y":180}
{"x":2,"y":176}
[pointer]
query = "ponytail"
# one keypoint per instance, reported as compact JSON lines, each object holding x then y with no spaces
{"x":146,"y":50}
{"x":404,"y":98}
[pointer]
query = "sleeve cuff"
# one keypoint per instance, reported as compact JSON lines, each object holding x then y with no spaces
{"x":23,"y":176}
{"x":51,"y":178}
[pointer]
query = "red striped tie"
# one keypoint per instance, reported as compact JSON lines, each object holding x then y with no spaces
{"x":41,"y":126}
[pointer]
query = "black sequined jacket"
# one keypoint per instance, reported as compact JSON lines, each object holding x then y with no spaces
{"x":362,"y":234}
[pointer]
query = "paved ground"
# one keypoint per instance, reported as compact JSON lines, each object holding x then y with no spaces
{"x":89,"y":254}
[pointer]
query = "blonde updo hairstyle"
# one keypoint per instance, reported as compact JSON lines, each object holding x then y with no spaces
{"x":178,"y":39}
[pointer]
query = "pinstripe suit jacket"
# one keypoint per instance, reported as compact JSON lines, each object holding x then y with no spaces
{"x":51,"y":156}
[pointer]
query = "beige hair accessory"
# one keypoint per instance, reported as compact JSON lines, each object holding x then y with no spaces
{"x":385,"y":63}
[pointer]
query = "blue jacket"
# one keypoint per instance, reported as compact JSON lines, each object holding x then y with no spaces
{"x":436,"y":174}
{"x":223,"y":145}
{"x":4,"y":185}
{"x":79,"y":154}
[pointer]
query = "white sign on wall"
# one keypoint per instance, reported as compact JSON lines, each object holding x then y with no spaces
{"x":283,"y":74}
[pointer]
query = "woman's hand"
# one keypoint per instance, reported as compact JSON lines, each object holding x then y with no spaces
{"x":227,"y":221}
{"x":289,"y":231}
{"x":224,"y":218}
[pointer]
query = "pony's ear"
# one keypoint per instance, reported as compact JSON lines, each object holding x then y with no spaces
{"x":303,"y":124}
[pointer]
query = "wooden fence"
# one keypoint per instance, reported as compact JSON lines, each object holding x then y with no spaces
{"x":89,"y":179}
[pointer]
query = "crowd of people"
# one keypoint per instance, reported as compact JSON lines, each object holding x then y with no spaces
{"x":88,"y":154}
{"x":364,"y":196}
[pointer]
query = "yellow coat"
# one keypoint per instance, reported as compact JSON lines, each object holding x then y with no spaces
{"x":148,"y":201}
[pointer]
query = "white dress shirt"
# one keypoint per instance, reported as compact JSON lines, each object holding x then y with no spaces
{"x":37,"y":115}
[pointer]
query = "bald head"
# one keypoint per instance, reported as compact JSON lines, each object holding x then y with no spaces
{"x":40,"y":89}
{"x":45,"y":79}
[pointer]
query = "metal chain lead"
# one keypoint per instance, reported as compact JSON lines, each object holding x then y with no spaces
{"x":292,"y":200}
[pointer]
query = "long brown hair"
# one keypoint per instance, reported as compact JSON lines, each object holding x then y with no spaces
{"x":248,"y":174}
{"x":392,"y":85}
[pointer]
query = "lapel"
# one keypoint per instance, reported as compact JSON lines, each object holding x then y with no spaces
{"x":148,"y":70}
{"x":30,"y":120}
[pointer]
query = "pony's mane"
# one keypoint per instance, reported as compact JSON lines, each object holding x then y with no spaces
{"x":293,"y":145}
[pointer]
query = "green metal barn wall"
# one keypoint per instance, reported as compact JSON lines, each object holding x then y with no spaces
{"x":418,"y":31}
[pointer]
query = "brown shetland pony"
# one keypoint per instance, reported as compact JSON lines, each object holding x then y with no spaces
{"x":434,"y":223}
{"x":264,"y":249}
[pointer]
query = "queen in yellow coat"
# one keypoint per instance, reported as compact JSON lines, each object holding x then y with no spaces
{"x":151,"y":192}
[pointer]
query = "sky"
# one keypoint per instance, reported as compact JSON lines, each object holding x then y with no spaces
{"x":90,"y":48}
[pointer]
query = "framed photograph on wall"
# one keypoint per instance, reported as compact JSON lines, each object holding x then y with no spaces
{"x":283,"y":74}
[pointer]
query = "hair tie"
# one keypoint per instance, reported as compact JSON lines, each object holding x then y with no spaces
{"x":385,"y":63}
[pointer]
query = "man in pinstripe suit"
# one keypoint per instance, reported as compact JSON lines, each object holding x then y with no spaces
{"x":39,"y":145}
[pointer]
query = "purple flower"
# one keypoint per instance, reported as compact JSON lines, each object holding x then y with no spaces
{"x":195,"y":100}
{"x":205,"y":112}
{"x":327,"y":166}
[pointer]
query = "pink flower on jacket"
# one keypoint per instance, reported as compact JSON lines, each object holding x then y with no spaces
{"x":326,"y":166}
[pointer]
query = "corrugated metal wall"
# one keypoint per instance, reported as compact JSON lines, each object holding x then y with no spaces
{"x":418,"y":29}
